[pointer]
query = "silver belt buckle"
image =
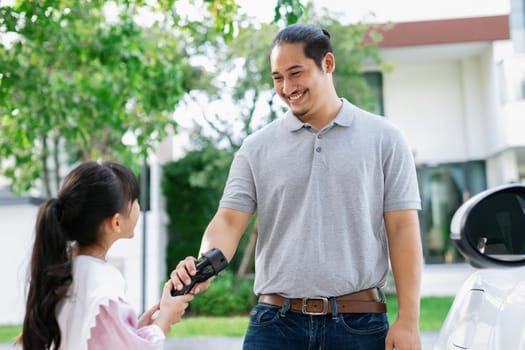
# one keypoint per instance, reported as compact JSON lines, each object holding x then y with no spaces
{"x":305,"y":305}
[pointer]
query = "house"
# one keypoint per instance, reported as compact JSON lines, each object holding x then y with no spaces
{"x":457,"y":90}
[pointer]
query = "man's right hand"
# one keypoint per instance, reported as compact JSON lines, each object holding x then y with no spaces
{"x":182,"y":274}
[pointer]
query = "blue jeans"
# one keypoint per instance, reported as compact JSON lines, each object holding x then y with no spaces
{"x":275,"y":328}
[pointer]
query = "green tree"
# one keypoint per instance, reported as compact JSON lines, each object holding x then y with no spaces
{"x":250,"y":94}
{"x":192,"y":187}
{"x":76,"y":82}
{"x":356,"y":52}
{"x":81,"y":74}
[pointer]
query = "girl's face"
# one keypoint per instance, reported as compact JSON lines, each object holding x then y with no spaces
{"x":129,"y":222}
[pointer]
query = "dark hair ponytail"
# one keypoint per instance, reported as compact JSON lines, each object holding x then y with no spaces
{"x":50,"y":279}
{"x":91,"y":193}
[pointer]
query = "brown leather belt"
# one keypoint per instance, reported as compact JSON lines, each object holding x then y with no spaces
{"x":365,"y":301}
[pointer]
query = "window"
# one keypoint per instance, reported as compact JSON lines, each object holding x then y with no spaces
{"x":443,"y":189}
{"x":374,"y":80}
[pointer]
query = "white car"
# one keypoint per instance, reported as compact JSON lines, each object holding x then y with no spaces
{"x":488,"y":312}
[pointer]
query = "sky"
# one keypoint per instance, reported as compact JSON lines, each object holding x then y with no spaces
{"x":390,"y":10}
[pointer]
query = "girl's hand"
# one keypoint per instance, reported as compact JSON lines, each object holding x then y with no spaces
{"x":147,"y":318}
{"x":171,"y":308}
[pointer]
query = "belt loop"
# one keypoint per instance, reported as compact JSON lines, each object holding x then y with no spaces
{"x":334,"y":308}
{"x":285,"y":307}
{"x":382,"y":296}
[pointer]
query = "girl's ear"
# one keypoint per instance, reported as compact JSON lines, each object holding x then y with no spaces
{"x":114,"y":223}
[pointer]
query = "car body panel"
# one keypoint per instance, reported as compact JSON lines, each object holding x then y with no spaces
{"x":488,"y":312}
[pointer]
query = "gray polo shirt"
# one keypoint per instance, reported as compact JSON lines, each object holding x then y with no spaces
{"x":320,"y":196}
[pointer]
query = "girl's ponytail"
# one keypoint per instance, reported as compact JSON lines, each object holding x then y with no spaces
{"x":51,"y":276}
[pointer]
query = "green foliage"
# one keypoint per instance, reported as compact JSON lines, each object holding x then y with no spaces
{"x":250,"y":49}
{"x":434,"y":310}
{"x":226,"y":295}
{"x":224,"y":12}
{"x":226,"y":326}
{"x":192,"y":187}
{"x":78,"y":75}
{"x":353,"y":56}
{"x":289,"y":10}
{"x":75,"y":82}
{"x":9,"y":333}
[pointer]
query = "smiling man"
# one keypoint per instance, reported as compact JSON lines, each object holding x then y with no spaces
{"x":336,"y":195}
{"x":305,"y":83}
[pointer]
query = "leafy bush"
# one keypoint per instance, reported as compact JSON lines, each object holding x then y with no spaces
{"x":226,"y":295}
{"x":192,"y":187}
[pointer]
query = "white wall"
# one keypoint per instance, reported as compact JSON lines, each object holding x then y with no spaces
{"x":496,"y":140}
{"x":475,"y":133}
{"x":426,"y":101}
{"x":514,"y":123}
{"x":505,"y":122}
{"x":502,"y":168}
{"x":446,"y":100}
{"x":15,"y":242}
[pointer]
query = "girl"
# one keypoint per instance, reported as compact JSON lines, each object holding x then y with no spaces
{"x":76,"y":299}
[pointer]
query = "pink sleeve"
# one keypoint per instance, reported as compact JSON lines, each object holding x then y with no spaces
{"x":116,"y":327}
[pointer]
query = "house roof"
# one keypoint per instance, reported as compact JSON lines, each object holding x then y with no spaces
{"x":445,"y":31}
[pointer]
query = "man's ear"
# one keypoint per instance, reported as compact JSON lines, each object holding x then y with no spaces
{"x":329,"y":63}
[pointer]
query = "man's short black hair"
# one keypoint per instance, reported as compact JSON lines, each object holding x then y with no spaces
{"x":316,"y":40}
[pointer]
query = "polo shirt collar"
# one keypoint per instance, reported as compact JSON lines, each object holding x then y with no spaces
{"x":292,"y":122}
{"x":345,"y":117}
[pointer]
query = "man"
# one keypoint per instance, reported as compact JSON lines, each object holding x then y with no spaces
{"x":335,"y":191}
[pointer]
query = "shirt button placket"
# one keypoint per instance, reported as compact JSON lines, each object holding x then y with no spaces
{"x":318,"y":147}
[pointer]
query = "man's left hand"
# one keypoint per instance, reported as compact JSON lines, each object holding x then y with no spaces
{"x":403,"y":336}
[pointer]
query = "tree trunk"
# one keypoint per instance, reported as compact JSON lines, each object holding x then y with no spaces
{"x":45,"y":170}
{"x":57,"y":163}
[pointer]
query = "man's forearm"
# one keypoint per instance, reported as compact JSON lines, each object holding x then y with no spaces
{"x":225,"y":231}
{"x":406,"y":260}
{"x":406,"y":267}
